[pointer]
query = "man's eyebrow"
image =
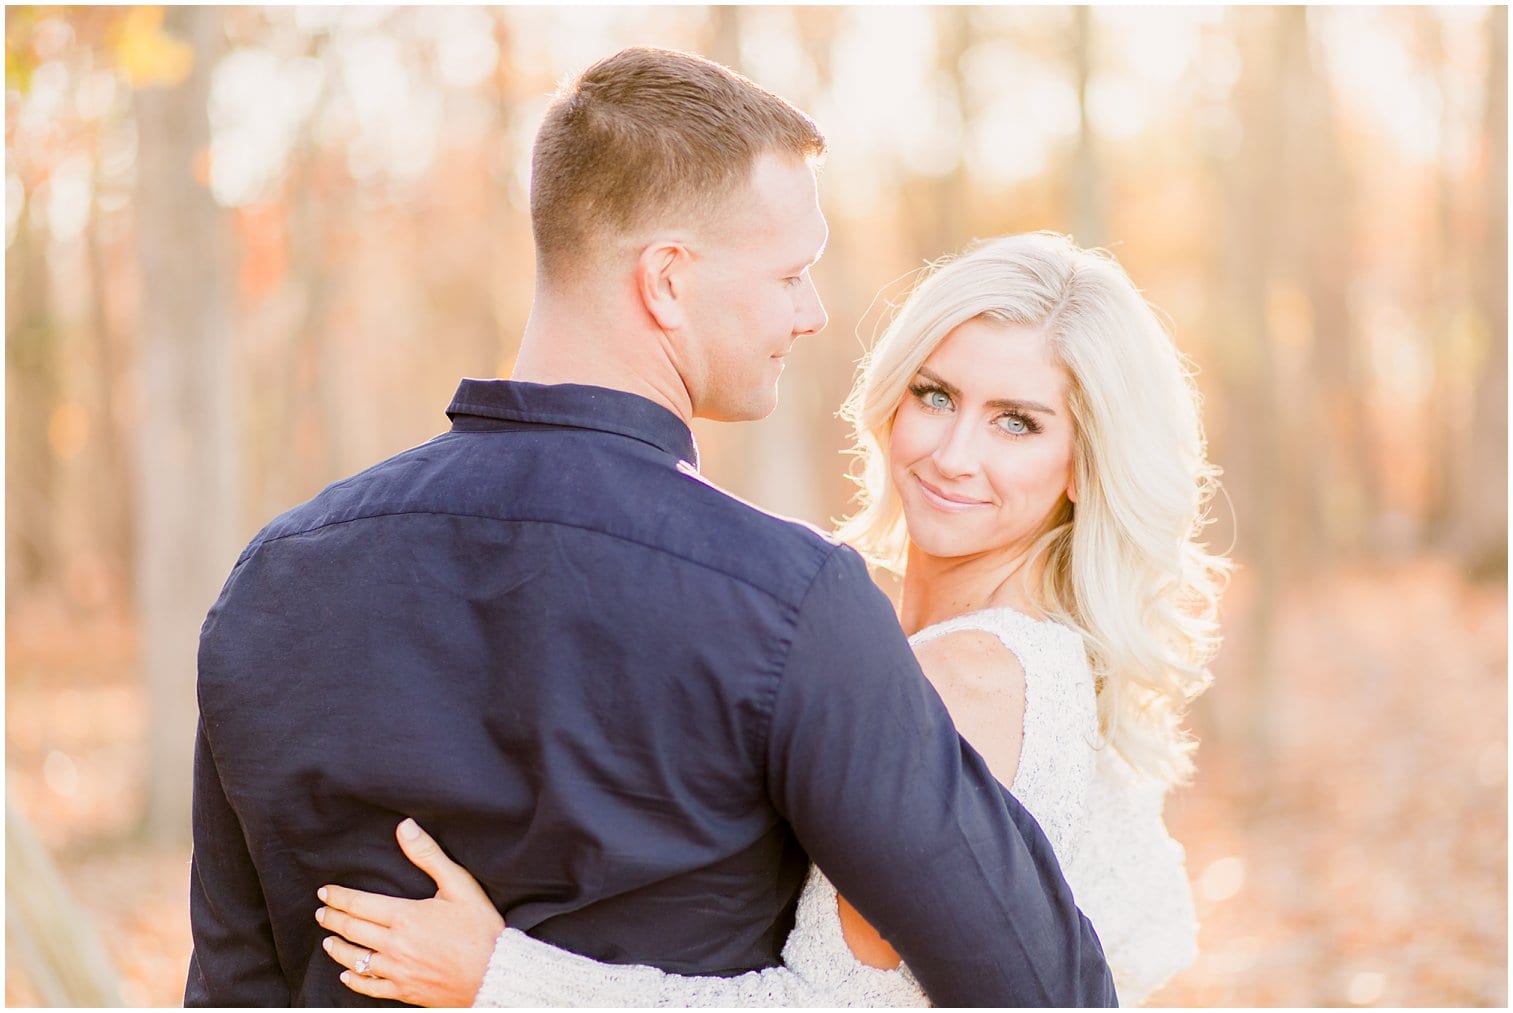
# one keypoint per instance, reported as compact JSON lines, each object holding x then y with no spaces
{"x":998,"y":404}
{"x":823,"y":247}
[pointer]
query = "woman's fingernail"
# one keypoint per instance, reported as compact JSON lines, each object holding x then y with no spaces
{"x":346,"y":977}
{"x":326,"y":942}
{"x":320,"y":915}
{"x":408,"y":830}
{"x":321,"y":893}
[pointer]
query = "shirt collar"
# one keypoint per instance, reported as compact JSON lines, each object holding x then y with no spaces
{"x":579,"y":406}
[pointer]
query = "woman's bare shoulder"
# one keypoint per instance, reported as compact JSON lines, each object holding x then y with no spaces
{"x":969,"y":659}
{"x":982,"y":684}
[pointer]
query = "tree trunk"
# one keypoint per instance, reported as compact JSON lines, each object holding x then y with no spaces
{"x":31,"y":384}
{"x":1336,"y":480}
{"x":187,"y":460}
{"x":113,"y":480}
{"x":1442,"y":299}
{"x":1253,"y":462}
{"x":48,"y":935}
{"x":1088,"y":205}
{"x":1484,"y":524}
{"x":725,"y":35}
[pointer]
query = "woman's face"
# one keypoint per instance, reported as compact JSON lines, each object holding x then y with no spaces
{"x":981,"y":450}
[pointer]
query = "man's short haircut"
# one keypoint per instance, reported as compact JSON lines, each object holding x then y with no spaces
{"x":645,"y":134}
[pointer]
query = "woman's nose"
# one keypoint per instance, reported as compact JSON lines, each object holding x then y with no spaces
{"x":955,"y":456}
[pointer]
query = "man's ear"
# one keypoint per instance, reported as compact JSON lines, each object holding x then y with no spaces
{"x":662,"y":282}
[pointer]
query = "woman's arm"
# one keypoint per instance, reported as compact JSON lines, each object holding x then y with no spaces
{"x":981,"y":683}
{"x":454,"y":950}
{"x":525,"y":972}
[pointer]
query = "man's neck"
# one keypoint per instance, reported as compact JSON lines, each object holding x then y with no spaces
{"x":562,"y":345}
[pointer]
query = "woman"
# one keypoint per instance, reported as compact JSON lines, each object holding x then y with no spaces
{"x":1034,"y":466}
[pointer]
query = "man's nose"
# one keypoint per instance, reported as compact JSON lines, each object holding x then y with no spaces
{"x":812,"y":317}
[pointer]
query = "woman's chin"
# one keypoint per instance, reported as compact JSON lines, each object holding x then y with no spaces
{"x":932,"y":538}
{"x":929,"y":540}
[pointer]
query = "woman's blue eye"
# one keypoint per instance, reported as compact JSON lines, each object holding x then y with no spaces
{"x":931,"y":398}
{"x":1018,"y":425}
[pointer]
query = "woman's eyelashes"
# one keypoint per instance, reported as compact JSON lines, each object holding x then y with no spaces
{"x":932,"y":397}
{"x":935,"y":398}
{"x":1017,"y":424}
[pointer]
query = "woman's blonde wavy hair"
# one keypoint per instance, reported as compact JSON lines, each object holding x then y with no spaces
{"x":1123,"y":565}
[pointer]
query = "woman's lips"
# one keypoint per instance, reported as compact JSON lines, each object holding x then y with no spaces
{"x":943,"y":501}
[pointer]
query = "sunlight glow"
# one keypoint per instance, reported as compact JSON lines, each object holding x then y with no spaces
{"x":1118,"y":105}
{"x":1023,"y":105}
{"x":1378,"y":80}
{"x":1400,"y":362}
{"x":881,"y":61}
{"x":1217,"y":66}
{"x":398,"y":111}
{"x":1223,"y":879}
{"x":257,"y":102}
{"x":771,"y":52}
{"x":466,"y":53}
{"x":96,"y":94}
{"x":1158,"y":43}
{"x":60,"y":774}
{"x":69,"y":192}
{"x":1366,"y":988}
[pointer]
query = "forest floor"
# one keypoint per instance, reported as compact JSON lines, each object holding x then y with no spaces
{"x":1346,"y":835}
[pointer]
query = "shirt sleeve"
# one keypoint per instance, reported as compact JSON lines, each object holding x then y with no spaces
{"x":234,"y":962}
{"x":906,"y":820}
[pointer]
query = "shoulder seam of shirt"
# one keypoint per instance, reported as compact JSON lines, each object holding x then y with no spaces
{"x":829,"y":548}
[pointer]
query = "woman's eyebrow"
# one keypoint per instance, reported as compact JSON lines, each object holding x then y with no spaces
{"x":1000,"y":404}
{"x":949,"y":388}
{"x":1017,"y":405}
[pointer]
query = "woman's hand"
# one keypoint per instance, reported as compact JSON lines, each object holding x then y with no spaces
{"x":424,"y":952}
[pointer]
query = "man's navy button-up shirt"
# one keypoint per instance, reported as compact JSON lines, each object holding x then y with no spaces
{"x":629,"y":703}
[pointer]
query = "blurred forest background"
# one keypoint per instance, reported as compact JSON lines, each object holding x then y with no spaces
{"x":251,"y":250}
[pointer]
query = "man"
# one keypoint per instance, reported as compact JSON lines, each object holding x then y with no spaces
{"x":627,"y":702}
